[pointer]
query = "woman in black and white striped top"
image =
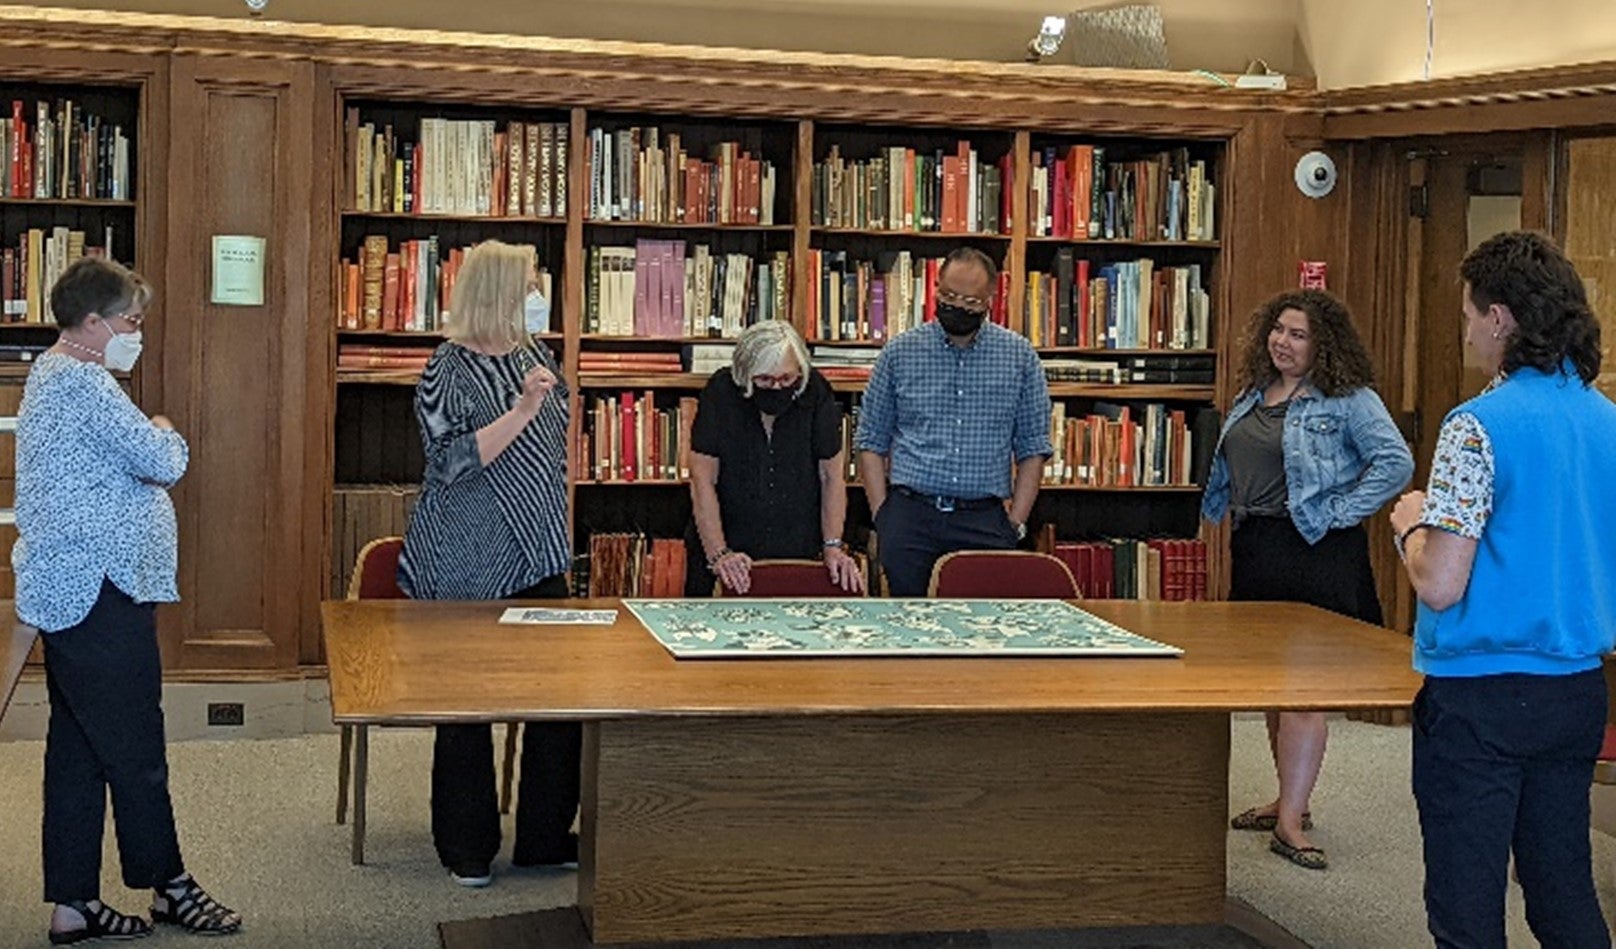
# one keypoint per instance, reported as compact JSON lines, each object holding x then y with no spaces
{"x":491,"y":523}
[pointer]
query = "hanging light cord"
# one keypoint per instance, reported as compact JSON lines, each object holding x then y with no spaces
{"x":1430,"y":35}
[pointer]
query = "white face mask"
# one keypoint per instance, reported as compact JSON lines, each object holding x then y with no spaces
{"x":122,"y":350}
{"x":535,"y":313}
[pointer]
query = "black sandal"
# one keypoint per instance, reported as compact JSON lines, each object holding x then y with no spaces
{"x":188,"y":906}
{"x":104,"y":922}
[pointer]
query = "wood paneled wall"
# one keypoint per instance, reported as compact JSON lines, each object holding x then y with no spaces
{"x":234,"y":378}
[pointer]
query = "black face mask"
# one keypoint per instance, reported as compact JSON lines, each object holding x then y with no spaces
{"x":773,"y":401}
{"x":958,"y":321}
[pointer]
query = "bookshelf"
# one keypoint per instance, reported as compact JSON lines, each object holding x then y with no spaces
{"x":68,"y":162}
{"x":837,"y":226}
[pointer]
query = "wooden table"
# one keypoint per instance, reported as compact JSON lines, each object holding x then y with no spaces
{"x":754,"y":798}
{"x":18,"y":648}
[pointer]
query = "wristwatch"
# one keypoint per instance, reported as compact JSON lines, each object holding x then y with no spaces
{"x":1021,"y":529}
{"x":834,"y":542}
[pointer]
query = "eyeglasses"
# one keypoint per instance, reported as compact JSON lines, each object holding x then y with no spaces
{"x":786,"y":381}
{"x":951,"y":298}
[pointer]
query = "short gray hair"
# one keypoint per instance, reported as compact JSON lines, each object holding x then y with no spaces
{"x":761,"y":347}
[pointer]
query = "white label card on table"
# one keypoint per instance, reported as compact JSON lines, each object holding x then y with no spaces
{"x":519,"y":615}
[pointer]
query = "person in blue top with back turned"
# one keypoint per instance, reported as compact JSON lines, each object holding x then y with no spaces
{"x":1512,"y":554}
{"x":1308,"y":451}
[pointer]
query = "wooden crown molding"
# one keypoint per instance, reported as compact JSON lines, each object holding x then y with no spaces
{"x":1580,"y":95}
{"x":840,"y":80}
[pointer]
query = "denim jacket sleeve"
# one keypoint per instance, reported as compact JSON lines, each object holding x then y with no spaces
{"x":1388,"y":467}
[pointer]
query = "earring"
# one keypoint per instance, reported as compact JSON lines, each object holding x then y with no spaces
{"x":1495,"y":334}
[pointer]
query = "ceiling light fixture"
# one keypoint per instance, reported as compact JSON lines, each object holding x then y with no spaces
{"x":1048,"y":40}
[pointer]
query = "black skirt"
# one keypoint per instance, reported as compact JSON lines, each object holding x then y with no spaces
{"x":1272,"y":561}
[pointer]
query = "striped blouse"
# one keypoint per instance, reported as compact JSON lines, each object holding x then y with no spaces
{"x":483,"y":533}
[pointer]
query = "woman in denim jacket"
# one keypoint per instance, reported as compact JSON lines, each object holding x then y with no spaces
{"x":1307,"y":453}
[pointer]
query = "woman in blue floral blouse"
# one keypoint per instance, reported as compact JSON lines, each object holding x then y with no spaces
{"x":95,"y":554}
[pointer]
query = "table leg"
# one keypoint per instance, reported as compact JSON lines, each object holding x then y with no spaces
{"x":361,"y":781}
{"x":344,"y":764}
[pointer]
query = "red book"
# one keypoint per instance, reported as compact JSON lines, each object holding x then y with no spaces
{"x":628,"y":427}
{"x":390,"y":318}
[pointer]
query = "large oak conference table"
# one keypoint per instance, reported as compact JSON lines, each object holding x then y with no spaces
{"x":777,"y":797}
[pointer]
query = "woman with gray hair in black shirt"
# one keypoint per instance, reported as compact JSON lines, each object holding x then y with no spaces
{"x":766,"y":466}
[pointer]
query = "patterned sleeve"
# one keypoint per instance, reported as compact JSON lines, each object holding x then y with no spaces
{"x":1030,"y":436}
{"x":151,"y":454}
{"x":1459,"y":498}
{"x":449,"y":441}
{"x":877,"y":409}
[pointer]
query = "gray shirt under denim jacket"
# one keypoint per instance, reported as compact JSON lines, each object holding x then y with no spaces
{"x":1344,"y":459}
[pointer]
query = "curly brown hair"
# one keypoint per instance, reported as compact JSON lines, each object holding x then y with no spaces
{"x":1340,"y":362}
{"x":1526,"y":272}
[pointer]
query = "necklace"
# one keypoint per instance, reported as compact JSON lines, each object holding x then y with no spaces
{"x":80,"y":347}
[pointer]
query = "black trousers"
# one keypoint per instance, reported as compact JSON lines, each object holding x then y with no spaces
{"x":105,"y":681}
{"x":1504,"y":763}
{"x":914,"y":535}
{"x":1270,"y":560}
{"x":465,"y":799}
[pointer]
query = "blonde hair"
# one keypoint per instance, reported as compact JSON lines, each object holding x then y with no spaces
{"x":485,"y":306}
{"x":761,"y":347}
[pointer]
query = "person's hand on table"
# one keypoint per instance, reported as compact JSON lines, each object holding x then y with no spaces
{"x":735,"y":570}
{"x":844,"y":570}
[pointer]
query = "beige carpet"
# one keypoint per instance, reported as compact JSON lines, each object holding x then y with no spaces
{"x":256,"y":821}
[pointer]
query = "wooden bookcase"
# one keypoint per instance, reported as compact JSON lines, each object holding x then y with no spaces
{"x":376,"y":448}
{"x":65,"y":200}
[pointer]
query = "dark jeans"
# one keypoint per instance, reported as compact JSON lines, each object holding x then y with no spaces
{"x":465,"y":800}
{"x":105,"y":681}
{"x":913,"y":535}
{"x":1505,"y":762}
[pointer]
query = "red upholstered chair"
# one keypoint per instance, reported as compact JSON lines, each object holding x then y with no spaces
{"x":805,"y":578}
{"x":375,"y":577}
{"x":1002,"y":575}
{"x":1605,"y":764}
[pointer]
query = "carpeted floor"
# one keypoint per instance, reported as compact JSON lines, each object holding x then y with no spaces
{"x":256,"y":821}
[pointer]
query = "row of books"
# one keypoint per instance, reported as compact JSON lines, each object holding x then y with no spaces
{"x":1078,"y":194}
{"x":66,"y":153}
{"x":1125,"y":305}
{"x":1147,"y":369}
{"x":364,"y":357}
{"x":462,"y":167}
{"x":626,"y":437}
{"x":668,"y":289}
{"x":875,"y":300}
{"x":902,"y":190}
{"x":30,"y":269}
{"x":645,"y":174}
{"x":631,"y":565}
{"x":1121,"y":446}
{"x":615,"y":362}
{"x":407,"y":287}
{"x":1137,"y":569}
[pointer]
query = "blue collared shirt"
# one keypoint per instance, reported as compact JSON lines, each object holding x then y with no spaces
{"x":93,"y":475}
{"x":1344,"y":459}
{"x":951,"y":419}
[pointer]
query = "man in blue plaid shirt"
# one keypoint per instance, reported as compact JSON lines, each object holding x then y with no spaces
{"x":950,"y":405}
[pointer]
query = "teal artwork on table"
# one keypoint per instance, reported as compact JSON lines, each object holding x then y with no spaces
{"x":851,"y":626}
